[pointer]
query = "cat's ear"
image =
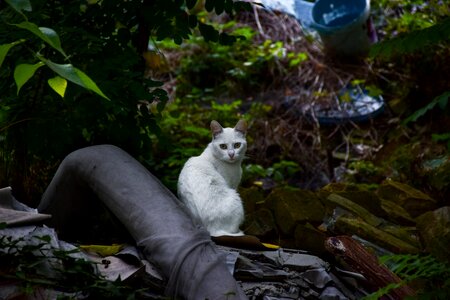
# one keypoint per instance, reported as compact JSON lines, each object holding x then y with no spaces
{"x":216,"y":128}
{"x":241,"y":127}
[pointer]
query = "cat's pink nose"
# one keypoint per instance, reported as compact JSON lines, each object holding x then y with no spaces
{"x":231,"y":153}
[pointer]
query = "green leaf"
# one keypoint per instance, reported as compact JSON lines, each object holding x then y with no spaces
{"x":45,"y":238}
{"x":24,"y":72}
{"x":440,"y":137}
{"x":190,"y":3}
{"x":226,"y":39}
{"x":52,"y":38}
{"x":209,"y":5}
{"x":58,"y":84}
{"x":192,"y":21}
{"x":228,"y":6}
{"x":208,"y":32}
{"x":242,"y":6}
{"x":74,"y":75}
{"x":48,"y":35}
{"x":177,"y":39}
{"x":220,"y":7}
{"x":5,"y":48}
{"x":153,"y":83}
{"x":20,"y":5}
{"x":413,"y":41}
{"x":441,"y":100}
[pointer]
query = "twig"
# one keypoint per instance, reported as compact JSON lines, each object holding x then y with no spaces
{"x":261,"y":31}
{"x":15,"y":123}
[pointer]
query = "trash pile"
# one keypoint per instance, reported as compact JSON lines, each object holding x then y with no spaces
{"x":294,"y":274}
{"x":263,"y":271}
{"x":267,"y":273}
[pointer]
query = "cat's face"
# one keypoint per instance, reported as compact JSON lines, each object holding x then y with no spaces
{"x":229,"y":144}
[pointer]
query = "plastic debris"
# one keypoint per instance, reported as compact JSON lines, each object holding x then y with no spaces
{"x":354,"y":104}
{"x":103,"y":250}
{"x":13,"y":212}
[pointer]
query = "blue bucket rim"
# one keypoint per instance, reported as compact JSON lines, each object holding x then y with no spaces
{"x":325,"y":28}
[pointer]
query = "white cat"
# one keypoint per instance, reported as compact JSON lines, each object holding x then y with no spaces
{"x":207,"y":183}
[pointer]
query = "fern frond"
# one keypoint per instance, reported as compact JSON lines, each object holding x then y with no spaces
{"x":410,"y":267}
{"x":412,"y":41}
{"x":441,"y":100}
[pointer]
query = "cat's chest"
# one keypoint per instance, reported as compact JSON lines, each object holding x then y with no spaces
{"x":231,"y":173}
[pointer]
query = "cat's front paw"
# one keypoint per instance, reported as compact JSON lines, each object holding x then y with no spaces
{"x":222,"y":233}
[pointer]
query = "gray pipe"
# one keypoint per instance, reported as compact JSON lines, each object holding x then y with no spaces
{"x":155,"y":218}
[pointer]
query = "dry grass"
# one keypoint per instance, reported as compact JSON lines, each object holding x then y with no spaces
{"x":292,"y":131}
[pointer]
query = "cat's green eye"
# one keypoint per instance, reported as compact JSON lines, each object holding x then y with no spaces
{"x":223,"y":146}
{"x":237,"y":145}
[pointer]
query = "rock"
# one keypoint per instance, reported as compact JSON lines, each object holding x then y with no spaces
{"x":310,"y":239}
{"x":354,"y":209}
{"x":260,"y":223}
{"x":396,"y":213}
{"x":363,"y":197}
{"x":251,"y":198}
{"x":351,"y":226}
{"x":294,"y":206}
{"x":338,"y":187}
{"x":413,"y":201}
{"x":406,"y":234}
{"x":437,"y":172}
{"x":434,"y":227}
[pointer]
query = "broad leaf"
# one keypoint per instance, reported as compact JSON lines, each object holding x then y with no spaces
{"x":192,"y":21}
{"x":228,"y":6}
{"x":208,"y":32}
{"x":190,"y":3}
{"x":413,"y":41}
{"x":441,"y":100}
{"x":52,"y":38}
{"x":219,"y":7}
{"x":74,"y":75}
{"x":226,"y":39}
{"x":20,"y":5}
{"x":242,"y":6}
{"x":24,"y":72}
{"x":5,"y":48}
{"x":209,"y":5}
{"x":58,"y":84}
{"x":48,"y":35}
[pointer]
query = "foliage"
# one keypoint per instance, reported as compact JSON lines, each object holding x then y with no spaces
{"x":280,"y":172}
{"x":435,"y":275}
{"x":104,"y":39}
{"x":41,"y":265}
{"x":413,"y":41}
{"x":364,"y":171}
{"x":237,"y":69}
{"x":441,"y":101}
{"x":442,"y":137}
{"x":406,"y":16}
{"x":415,"y":50}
